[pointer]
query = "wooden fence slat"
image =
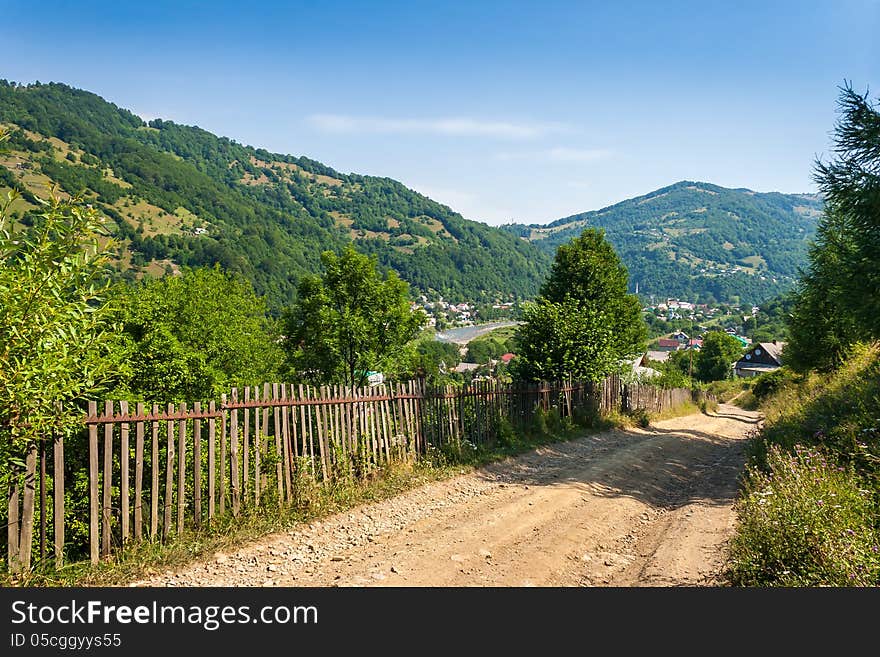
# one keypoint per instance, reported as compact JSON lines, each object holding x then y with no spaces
{"x":154,"y":477}
{"x":27,"y":509}
{"x":42,"y":459}
{"x":306,"y":412}
{"x":285,"y":436}
{"x":139,"y":474}
{"x":169,"y":473}
{"x":279,"y":457}
{"x":223,"y":429}
{"x":258,"y":449}
{"x":294,"y":428}
{"x":58,"y":499}
{"x":123,"y":472}
{"x":387,"y":422}
{"x":246,"y":448}
{"x":13,"y":534}
{"x":322,"y":442}
{"x":371,"y":421}
{"x":233,"y":456}
{"x":197,"y":467}
{"x":336,"y":442}
{"x":93,"y":484}
{"x":106,"y":509}
{"x":181,"y":470}
{"x":212,"y":466}
{"x":264,"y":438}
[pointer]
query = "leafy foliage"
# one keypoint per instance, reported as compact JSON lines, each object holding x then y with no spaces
{"x":717,"y":355}
{"x":436,"y":358}
{"x":351,"y":320}
{"x":584,"y":322}
{"x":55,"y":342}
{"x":195,"y":335}
{"x":484,"y":348}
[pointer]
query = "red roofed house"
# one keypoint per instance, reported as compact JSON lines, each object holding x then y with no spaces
{"x":506,"y":358}
{"x":668,"y":344}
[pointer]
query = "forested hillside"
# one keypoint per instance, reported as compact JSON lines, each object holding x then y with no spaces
{"x":179,"y":195}
{"x":700,"y":241}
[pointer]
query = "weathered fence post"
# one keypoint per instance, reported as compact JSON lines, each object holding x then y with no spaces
{"x":58,"y":499}
{"x":123,"y":471}
{"x":107,"y":481}
{"x":27,"y":509}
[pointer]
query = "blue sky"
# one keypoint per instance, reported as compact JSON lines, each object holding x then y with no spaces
{"x":525,"y":111}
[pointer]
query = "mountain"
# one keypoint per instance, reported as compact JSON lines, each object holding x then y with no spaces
{"x":179,"y":195}
{"x":699,"y":241}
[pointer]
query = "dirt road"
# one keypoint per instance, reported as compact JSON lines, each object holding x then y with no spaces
{"x":637,"y":507}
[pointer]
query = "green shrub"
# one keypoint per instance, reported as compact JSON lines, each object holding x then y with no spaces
{"x":507,"y":436}
{"x":770,"y":383}
{"x":805,"y":521}
{"x":641,"y":417}
{"x":539,"y":422}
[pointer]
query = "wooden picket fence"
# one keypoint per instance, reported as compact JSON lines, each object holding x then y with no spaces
{"x":154,"y":473}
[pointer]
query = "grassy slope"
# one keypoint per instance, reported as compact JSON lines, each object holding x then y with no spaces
{"x":267,"y":215}
{"x":810,"y":509}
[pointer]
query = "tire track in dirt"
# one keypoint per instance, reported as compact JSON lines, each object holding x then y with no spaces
{"x":628,"y":507}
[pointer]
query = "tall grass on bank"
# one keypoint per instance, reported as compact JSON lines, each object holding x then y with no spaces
{"x":809,"y":513}
{"x":805,"y":521}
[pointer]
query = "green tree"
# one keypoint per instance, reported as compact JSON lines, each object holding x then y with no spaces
{"x":584,"y":323}
{"x":717,"y":355}
{"x":558,"y":340}
{"x":683,"y":361}
{"x":351,"y":320}
{"x":56,"y":344}
{"x":193,"y":335}
{"x":486,"y":348}
{"x":837,"y":303}
{"x":436,"y":358}
{"x":821,"y":326}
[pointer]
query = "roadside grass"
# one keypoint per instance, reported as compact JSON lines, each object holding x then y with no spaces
{"x":805,"y":521}
{"x":726,"y":390}
{"x":809,"y":509}
{"x":313,"y":502}
{"x":642,"y":418}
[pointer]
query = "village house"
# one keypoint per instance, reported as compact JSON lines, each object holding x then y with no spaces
{"x":761,"y":358}
{"x":668,"y":344}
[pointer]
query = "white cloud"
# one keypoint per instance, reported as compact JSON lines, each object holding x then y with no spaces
{"x":556,"y":154}
{"x":580,"y":184}
{"x":564,"y":154}
{"x":451,"y":126}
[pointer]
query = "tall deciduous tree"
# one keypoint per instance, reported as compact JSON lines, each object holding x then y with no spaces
{"x":351,"y":320}
{"x":716,"y":357}
{"x":584,"y":323}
